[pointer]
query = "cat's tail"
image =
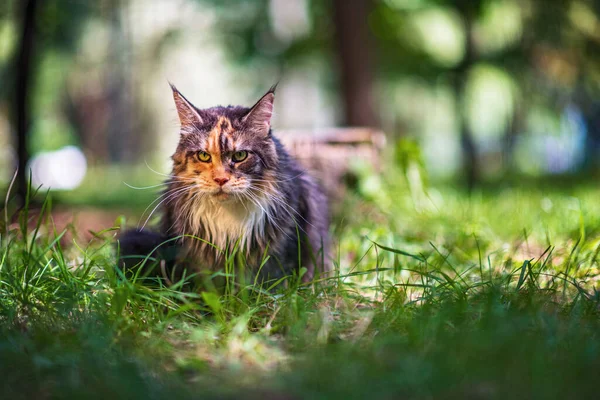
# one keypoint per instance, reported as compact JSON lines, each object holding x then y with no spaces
{"x":152,"y":252}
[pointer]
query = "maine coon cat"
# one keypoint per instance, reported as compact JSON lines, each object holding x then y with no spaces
{"x":233,"y":185}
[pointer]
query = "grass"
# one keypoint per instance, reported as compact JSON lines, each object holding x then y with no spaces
{"x":436,"y":295}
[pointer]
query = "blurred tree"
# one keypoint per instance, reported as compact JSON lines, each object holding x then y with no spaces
{"x":469,"y":11}
{"x":554,"y":62}
{"x":338,"y":32}
{"x":350,"y":40}
{"x":106,"y":97}
{"x":24,"y":69}
{"x":354,"y":51}
{"x":44,"y":25}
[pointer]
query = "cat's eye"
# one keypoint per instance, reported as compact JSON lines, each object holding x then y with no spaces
{"x":203,"y":156}
{"x":240,"y":156}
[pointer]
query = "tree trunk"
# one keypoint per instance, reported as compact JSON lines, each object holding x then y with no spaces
{"x":469,"y":147}
{"x":515,"y":126}
{"x":24,"y":73}
{"x":353,"y":46}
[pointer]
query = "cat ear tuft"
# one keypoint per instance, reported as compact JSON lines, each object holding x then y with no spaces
{"x":258,"y":119}
{"x":188,"y":114}
{"x":273,"y":88}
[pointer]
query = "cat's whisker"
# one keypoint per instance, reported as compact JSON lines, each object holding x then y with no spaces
{"x":279,"y":200}
{"x":167,"y":192}
{"x":254,"y":199}
{"x":187,"y":207}
{"x":154,"y":210}
{"x":241,"y":200}
{"x":279,"y":180}
{"x":156,"y":172}
{"x":166,"y":199}
{"x":150,"y":205}
{"x":290,"y":211}
{"x":174,"y":177}
{"x":145,"y":187}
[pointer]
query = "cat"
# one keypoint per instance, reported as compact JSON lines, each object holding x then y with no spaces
{"x":234,"y":185}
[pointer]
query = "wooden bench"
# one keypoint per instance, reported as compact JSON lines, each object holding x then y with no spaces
{"x":329,"y":153}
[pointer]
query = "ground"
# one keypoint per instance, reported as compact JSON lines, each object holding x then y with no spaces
{"x":437,"y":294}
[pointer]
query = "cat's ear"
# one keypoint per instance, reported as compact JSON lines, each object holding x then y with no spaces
{"x":258,"y":119}
{"x":188,"y":114}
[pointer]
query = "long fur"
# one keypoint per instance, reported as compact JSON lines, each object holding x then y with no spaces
{"x":268,"y":205}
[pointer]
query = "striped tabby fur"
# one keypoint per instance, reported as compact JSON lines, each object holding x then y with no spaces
{"x":233,"y":183}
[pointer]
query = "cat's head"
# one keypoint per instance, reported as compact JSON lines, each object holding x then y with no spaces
{"x":225,"y":153}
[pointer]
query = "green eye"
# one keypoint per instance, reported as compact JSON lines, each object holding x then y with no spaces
{"x":203,"y":156}
{"x":239,"y":156}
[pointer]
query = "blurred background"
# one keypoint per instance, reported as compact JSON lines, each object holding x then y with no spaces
{"x":476,"y":90}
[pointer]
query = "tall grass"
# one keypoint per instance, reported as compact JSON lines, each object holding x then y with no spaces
{"x":489,"y":296}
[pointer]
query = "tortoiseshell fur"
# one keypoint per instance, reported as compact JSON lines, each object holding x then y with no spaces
{"x":263,"y":204}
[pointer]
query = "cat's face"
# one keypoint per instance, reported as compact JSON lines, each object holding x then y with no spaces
{"x":225,"y":153}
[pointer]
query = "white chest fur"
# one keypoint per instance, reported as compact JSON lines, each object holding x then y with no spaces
{"x":225,"y":223}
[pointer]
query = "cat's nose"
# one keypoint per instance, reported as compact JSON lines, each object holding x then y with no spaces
{"x":221,"y":181}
